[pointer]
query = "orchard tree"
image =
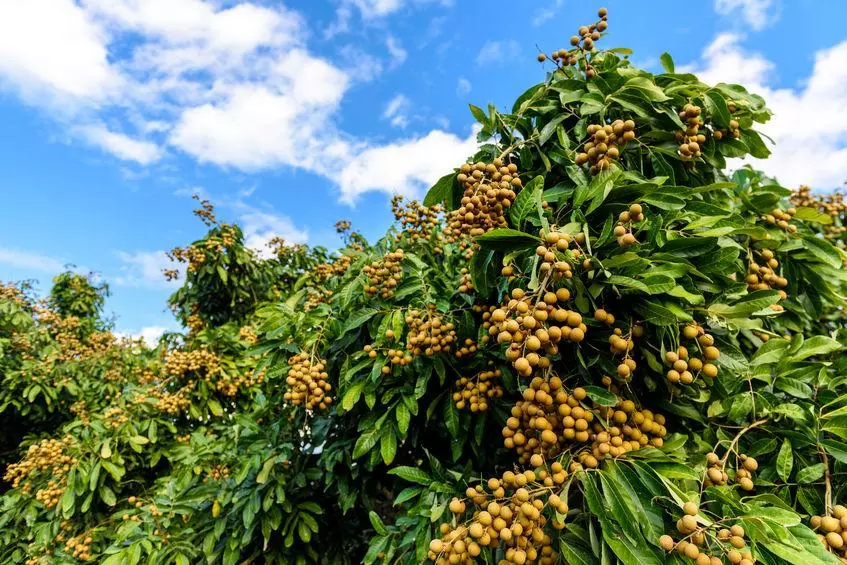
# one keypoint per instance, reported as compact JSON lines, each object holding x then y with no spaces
{"x":590,"y":343}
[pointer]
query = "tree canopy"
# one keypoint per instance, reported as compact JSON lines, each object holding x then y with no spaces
{"x":597,"y":340}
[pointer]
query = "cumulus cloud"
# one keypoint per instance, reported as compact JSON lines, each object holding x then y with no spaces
{"x":395,"y":49}
{"x":396,"y":111}
{"x":20,"y":259}
{"x":261,"y":226}
{"x":122,"y":146}
{"x":399,"y":167}
{"x":498,"y":51}
{"x":757,"y":14}
{"x":144,"y":269}
{"x":801,"y":155}
{"x":230,"y":84}
{"x":543,"y":15}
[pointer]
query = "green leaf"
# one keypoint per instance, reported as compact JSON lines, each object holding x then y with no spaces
{"x":811,"y":473}
{"x":667,"y":62}
{"x":507,"y":239}
{"x":388,"y":445}
{"x":479,"y":114}
{"x":358,"y":318}
{"x":647,"y":87}
{"x":784,"y":461}
{"x":367,"y":440}
{"x":753,"y":302}
{"x":265,"y":472}
{"x":837,"y":449}
{"x":772,"y":351}
{"x":526,"y":201}
{"x":812,"y":215}
{"x":107,"y":495}
{"x":352,"y":395}
{"x":412,"y":474}
{"x":550,"y":128}
{"x":817,"y":345}
{"x":441,"y":191}
{"x":601,"y":396}
{"x":824,"y":251}
{"x":451,"y":416}
{"x":377,"y":523}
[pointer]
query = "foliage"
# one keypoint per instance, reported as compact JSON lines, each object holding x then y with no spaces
{"x":589,"y":344}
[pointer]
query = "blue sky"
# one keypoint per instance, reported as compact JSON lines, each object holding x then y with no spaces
{"x":293,"y":115}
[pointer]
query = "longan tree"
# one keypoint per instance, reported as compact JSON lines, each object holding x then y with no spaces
{"x":589,"y":343}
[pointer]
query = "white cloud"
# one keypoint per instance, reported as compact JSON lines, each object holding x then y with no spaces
{"x":463,"y":86}
{"x":758,"y":14}
{"x":371,"y":9}
{"x":19,"y":259}
{"x":144,"y":269}
{"x":398,"y":167}
{"x":122,"y":146}
{"x":498,"y":51}
{"x":542,"y":15}
{"x":395,"y":49}
{"x":801,"y":155}
{"x":227,"y":83}
{"x":261,"y":226}
{"x":396,"y":111}
{"x":51,"y":50}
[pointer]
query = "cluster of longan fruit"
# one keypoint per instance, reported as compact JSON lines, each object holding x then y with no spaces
{"x":690,"y":140}
{"x":429,"y":332}
{"x":230,"y":385}
{"x":201,"y":361}
{"x":623,"y":231}
{"x":708,"y":545}
{"x":619,"y":345}
{"x":468,"y":347}
{"x":172,"y":403}
{"x":394,"y":356}
{"x":489,"y":189}
{"x":781,"y":219}
{"x":685,"y":367}
{"x":315,"y":297}
{"x":79,"y":547}
{"x":744,"y":473}
{"x":115,"y":417}
{"x":194,"y":256}
{"x":465,"y":281}
{"x":384,"y":275}
{"x":194,"y":323}
{"x":582,"y":42}
{"x":416,"y":220}
{"x":248,"y":334}
{"x":761,"y":273}
{"x":605,"y":144}
{"x":832,"y":205}
{"x":342,"y":226}
{"x":532,"y":325}
{"x":511,"y":515}
{"x":337,"y":266}
{"x":548,"y":420}
{"x":832,"y":531}
{"x":206,"y":211}
{"x":552,"y":254}
{"x":307,"y":382}
{"x":475,"y":392}
{"x":218,"y":473}
{"x":48,"y":457}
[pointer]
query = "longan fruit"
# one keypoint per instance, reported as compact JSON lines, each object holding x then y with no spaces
{"x":665,"y":542}
{"x":690,"y":508}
